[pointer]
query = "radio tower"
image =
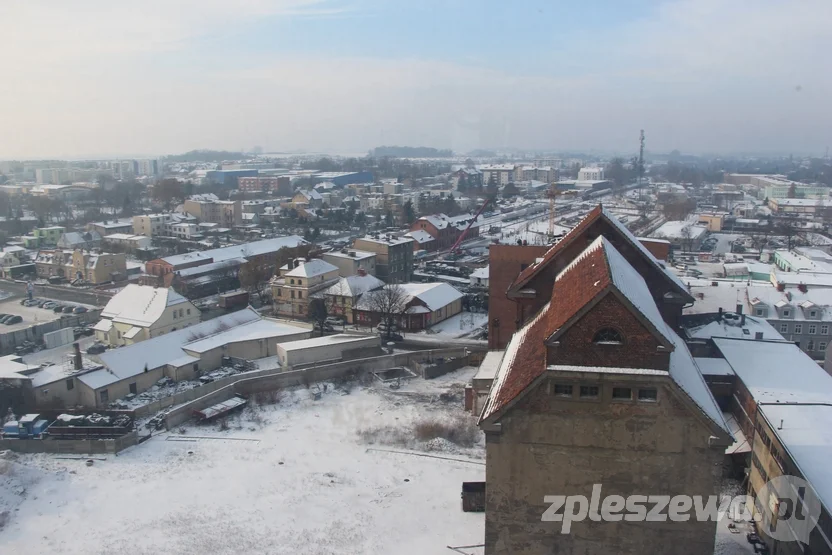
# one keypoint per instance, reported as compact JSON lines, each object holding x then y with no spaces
{"x":641,"y":164}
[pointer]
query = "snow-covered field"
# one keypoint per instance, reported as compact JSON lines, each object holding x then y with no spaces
{"x":460,"y":325}
{"x":300,"y":476}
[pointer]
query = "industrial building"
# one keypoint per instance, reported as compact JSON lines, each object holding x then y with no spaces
{"x":331,"y":348}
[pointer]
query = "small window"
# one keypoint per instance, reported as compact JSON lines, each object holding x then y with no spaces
{"x":810,"y":346}
{"x":280,"y":292}
{"x":189,"y":312}
{"x":824,"y":330}
{"x":291,"y":282}
{"x":563,"y":390}
{"x":648,"y":395}
{"x":293,"y":294}
{"x":300,"y":294}
{"x":196,"y":367}
{"x":787,"y":313}
{"x":822,"y":347}
{"x":608,"y":336}
{"x":589,"y":391}
{"x":813,"y":313}
{"x":133,"y":388}
{"x":784,"y":328}
{"x":798,"y":328}
{"x":70,"y":385}
{"x":813,"y":329}
{"x":760,"y":312}
{"x":300,"y":282}
{"x":622,"y":393}
{"x":104,"y":395}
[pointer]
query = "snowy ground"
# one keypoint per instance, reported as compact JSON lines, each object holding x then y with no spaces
{"x":296,"y":477}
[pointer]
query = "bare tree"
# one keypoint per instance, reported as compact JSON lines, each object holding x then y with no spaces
{"x":389,"y":303}
{"x":686,"y":234}
{"x":318,"y":313}
{"x":254,"y":277}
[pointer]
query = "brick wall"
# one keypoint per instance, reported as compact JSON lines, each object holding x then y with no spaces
{"x":638,"y":351}
{"x":505,"y":263}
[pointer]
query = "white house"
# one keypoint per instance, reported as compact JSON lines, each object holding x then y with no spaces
{"x":139,"y":312}
{"x":479,"y":277}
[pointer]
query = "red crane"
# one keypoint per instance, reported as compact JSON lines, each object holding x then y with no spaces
{"x":465,"y":232}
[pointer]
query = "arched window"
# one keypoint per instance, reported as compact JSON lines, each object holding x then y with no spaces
{"x":608,"y":336}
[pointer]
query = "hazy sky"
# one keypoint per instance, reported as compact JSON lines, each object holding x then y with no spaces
{"x":128,"y":77}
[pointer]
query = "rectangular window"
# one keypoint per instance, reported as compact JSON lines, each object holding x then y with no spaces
{"x":293,"y":294}
{"x":70,"y":385}
{"x":760,"y":312}
{"x":813,"y":313}
{"x":648,"y":394}
{"x":787,"y":313}
{"x":280,"y":292}
{"x":784,"y":328}
{"x":622,"y":393}
{"x":300,"y":294}
{"x":189,"y":312}
{"x":589,"y":391}
{"x":810,"y":346}
{"x":104,"y":395}
{"x":824,"y":330}
{"x":562,"y":390}
{"x":798,"y":328}
{"x":822,"y":346}
{"x":813,"y":329}
{"x":133,"y":388}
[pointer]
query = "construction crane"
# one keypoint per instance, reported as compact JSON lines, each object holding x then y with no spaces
{"x":552,"y":194}
{"x":465,"y":232}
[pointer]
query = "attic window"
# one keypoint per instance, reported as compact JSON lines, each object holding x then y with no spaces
{"x":608,"y":336}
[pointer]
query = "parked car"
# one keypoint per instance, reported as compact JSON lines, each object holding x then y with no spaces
{"x":5,"y":318}
{"x":58,"y":308}
{"x":49,"y":305}
{"x":79,"y":310}
{"x":383,"y":327}
{"x":68,"y":309}
{"x":14,"y":319}
{"x":96,"y":349}
{"x":333,"y":321}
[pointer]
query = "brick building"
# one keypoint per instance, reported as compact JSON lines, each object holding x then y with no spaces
{"x":445,"y":230}
{"x":597,"y":387}
{"x":276,"y":185}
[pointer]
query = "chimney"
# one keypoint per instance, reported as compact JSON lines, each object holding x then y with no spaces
{"x":352,"y":254}
{"x":362,"y":272}
{"x":719,"y":318}
{"x":758,"y":336}
{"x":739,"y":308}
{"x":77,"y":361}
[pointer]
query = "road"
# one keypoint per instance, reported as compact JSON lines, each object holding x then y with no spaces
{"x":84,"y":296}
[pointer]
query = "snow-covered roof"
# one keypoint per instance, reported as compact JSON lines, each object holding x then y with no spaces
{"x":420,"y":236}
{"x":674,"y":230}
{"x":803,"y":263}
{"x":11,"y":369}
{"x":104,"y":325}
{"x":489,"y":366}
{"x":434,"y":295}
{"x":481,"y":273}
{"x":132,"y":332}
{"x":714,"y":366}
{"x":173,"y":348}
{"x":255,"y":248}
{"x":777,"y":372}
{"x":337,"y":339}
{"x":354,"y":286}
{"x":731,"y":325}
{"x":359,"y":255}
{"x":212,"y":267}
{"x":312,"y":268}
{"x":141,"y":305}
{"x":768,"y":295}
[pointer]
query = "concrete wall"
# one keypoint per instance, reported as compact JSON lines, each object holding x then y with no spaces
{"x":551,"y":445}
{"x":327,"y":351}
{"x":270,"y":380}
{"x":71,"y":446}
{"x":433,"y":369}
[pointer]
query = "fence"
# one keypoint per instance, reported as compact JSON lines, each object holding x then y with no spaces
{"x":434,"y":369}
{"x":34,"y":333}
{"x":70,"y":446}
{"x":270,"y":380}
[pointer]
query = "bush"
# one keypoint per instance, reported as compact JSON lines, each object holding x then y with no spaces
{"x":272,"y":397}
{"x":460,"y":430}
{"x":224,"y":425}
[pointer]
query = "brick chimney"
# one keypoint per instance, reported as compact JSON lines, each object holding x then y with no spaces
{"x":77,"y":360}
{"x":362,"y":272}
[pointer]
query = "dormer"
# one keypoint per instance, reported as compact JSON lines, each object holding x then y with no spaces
{"x":784,"y":309}
{"x":811,"y":311}
{"x":759,"y":308}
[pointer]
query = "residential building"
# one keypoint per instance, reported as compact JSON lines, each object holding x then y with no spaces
{"x":152,"y":225}
{"x":597,"y":387}
{"x":423,"y":304}
{"x":802,"y":315}
{"x":226,"y":213}
{"x":129,"y":242}
{"x":591,"y":174}
{"x":148,"y":167}
{"x":498,"y":174}
{"x":53,"y":176}
{"x":107,"y":227}
{"x":777,"y":186}
{"x":394,"y":256}
{"x":256,"y":252}
{"x":445,"y":229}
{"x":422,"y":240}
{"x":276,"y":185}
{"x":342,"y":297}
{"x":47,"y":236}
{"x":85,"y":240}
{"x":90,"y":266}
{"x":307,"y":199}
{"x":185,"y":230}
{"x":546,"y":174}
{"x":351,"y":261}
{"x":139,"y":312}
{"x":10,"y":257}
{"x":298,"y":282}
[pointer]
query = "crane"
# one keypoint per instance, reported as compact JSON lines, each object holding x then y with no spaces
{"x":640,"y":164}
{"x":552,"y":194}
{"x":465,"y":232}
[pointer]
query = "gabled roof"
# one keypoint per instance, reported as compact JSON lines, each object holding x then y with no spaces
{"x":598,"y":213}
{"x":598,"y":270}
{"x":141,"y":305}
{"x":420,"y":236}
{"x":354,"y":286}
